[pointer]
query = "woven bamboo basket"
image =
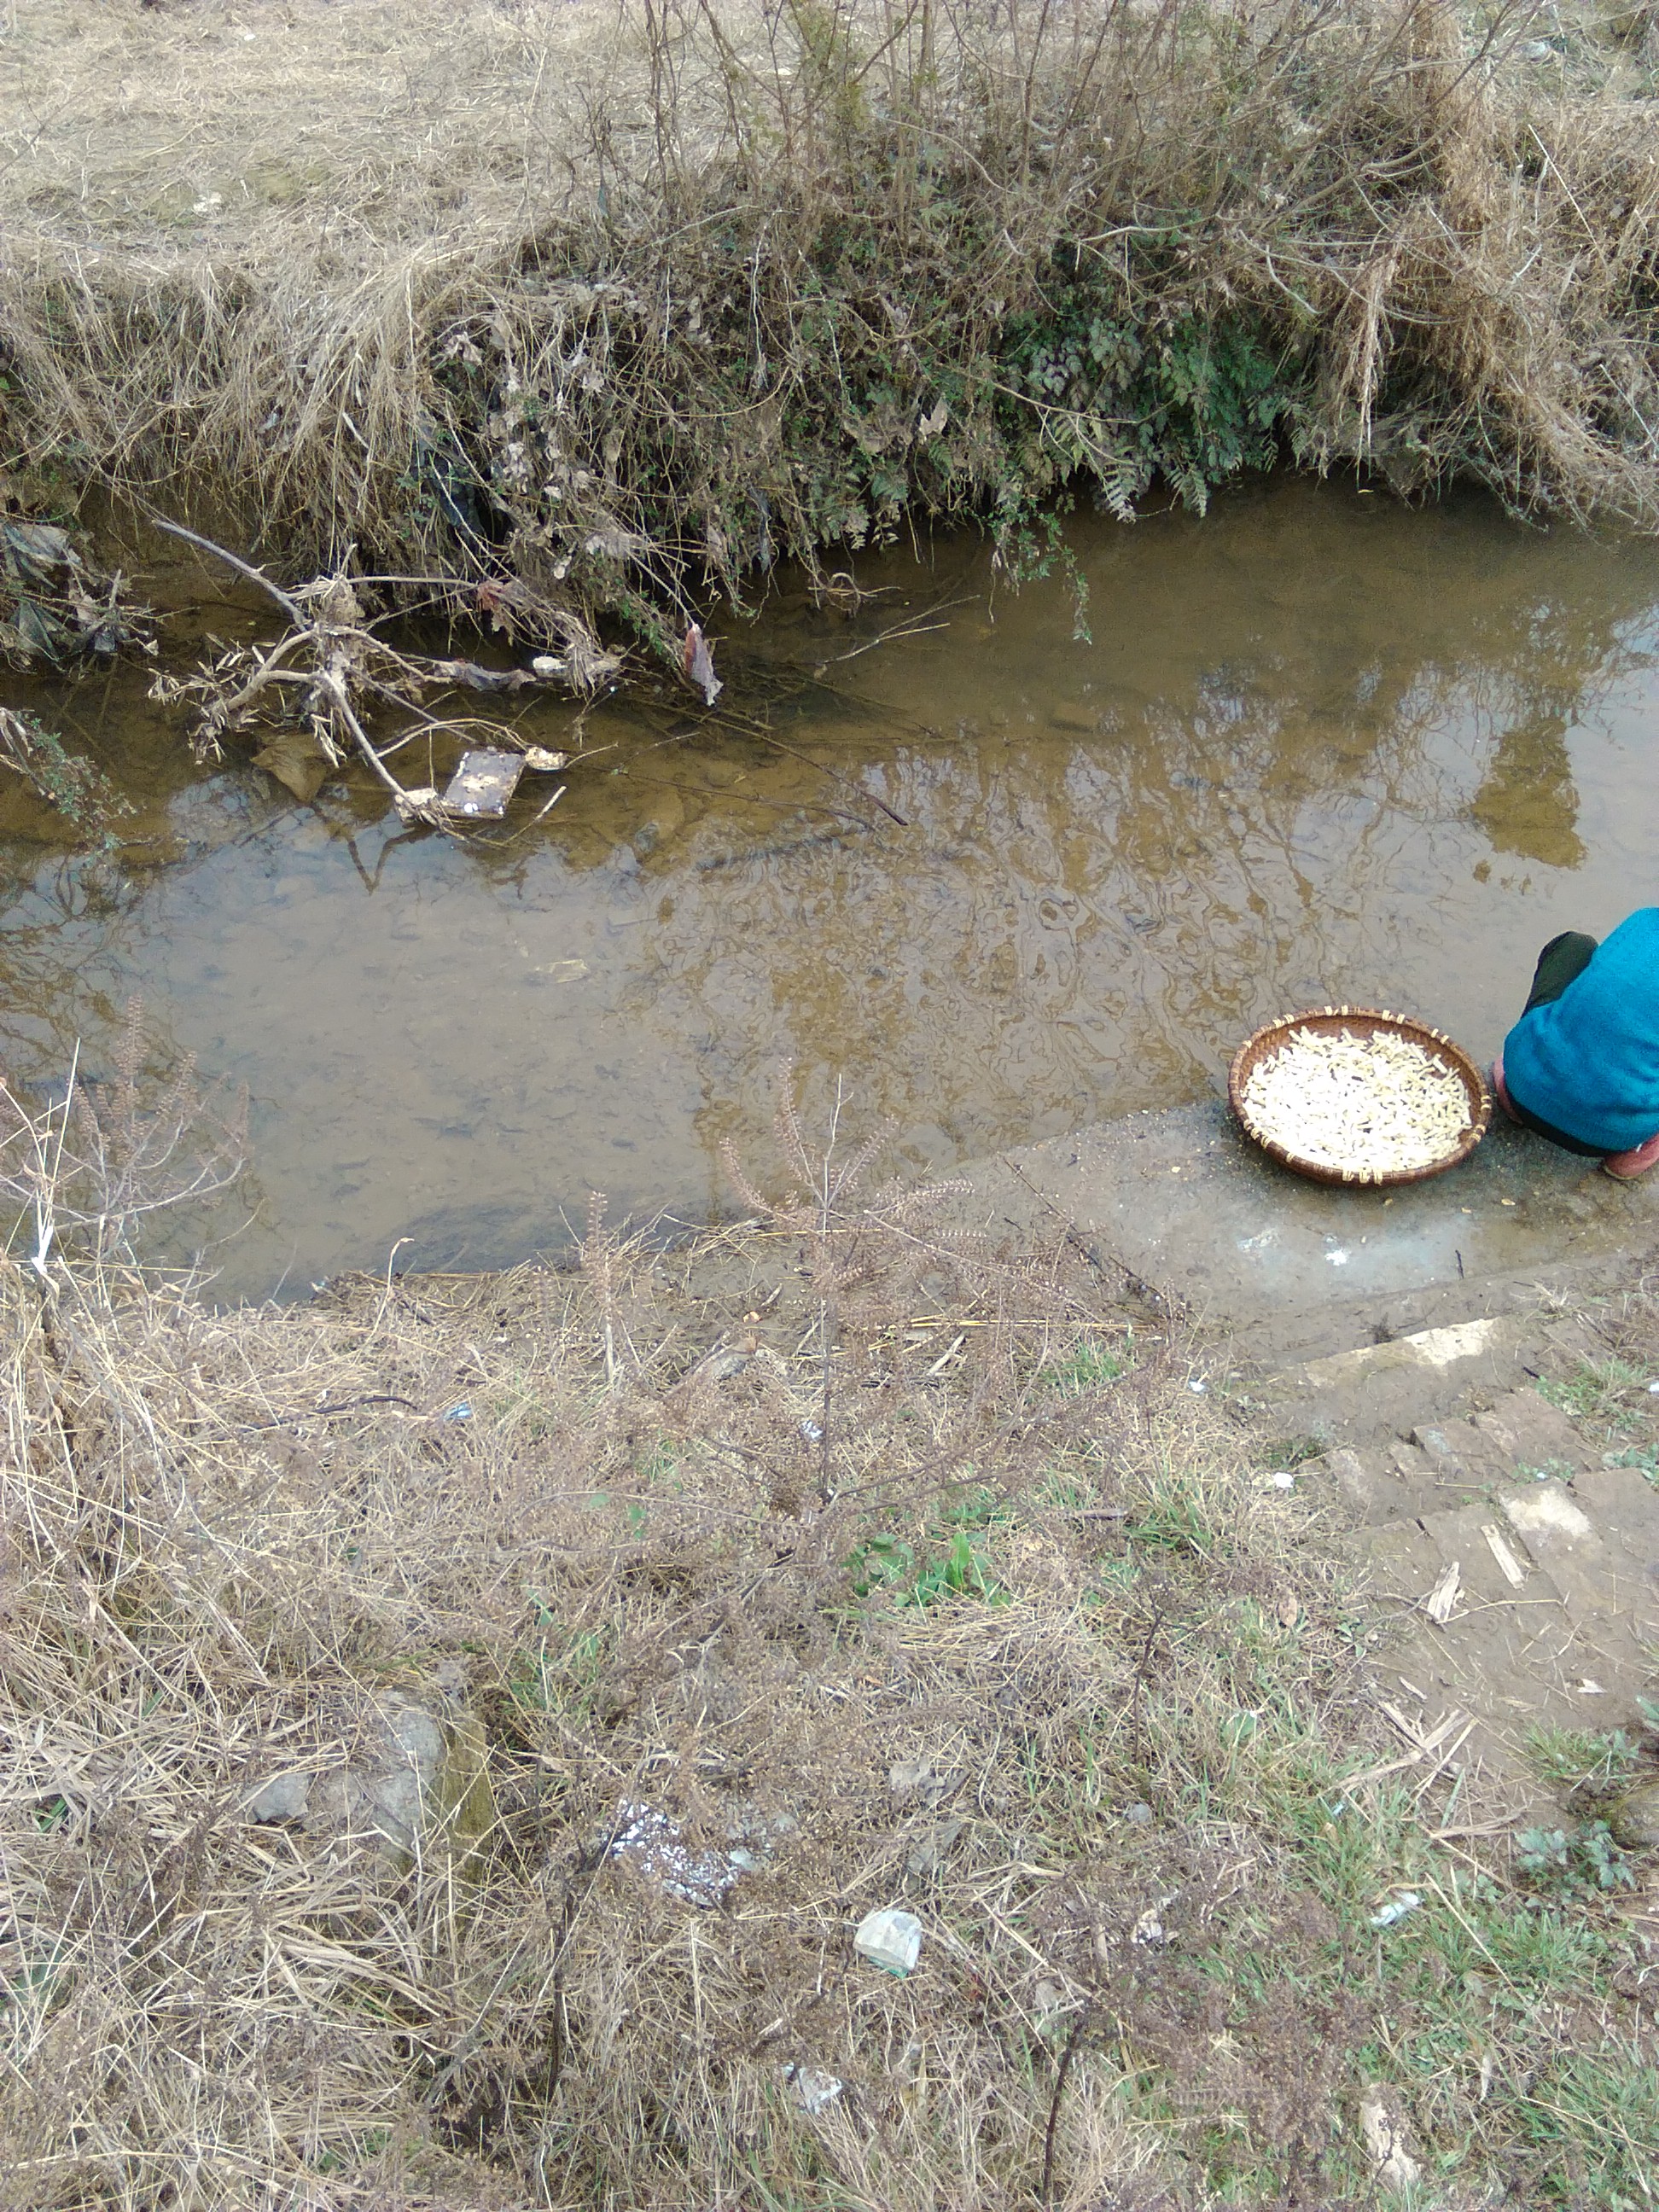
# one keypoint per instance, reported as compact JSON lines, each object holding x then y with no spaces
{"x":1359,"y":1022}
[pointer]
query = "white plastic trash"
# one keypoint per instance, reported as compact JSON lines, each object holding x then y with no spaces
{"x":1403,"y":1901}
{"x":813,"y":2089}
{"x":650,"y":1842}
{"x":890,"y":1939}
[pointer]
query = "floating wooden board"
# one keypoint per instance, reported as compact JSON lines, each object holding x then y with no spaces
{"x":483,"y":783}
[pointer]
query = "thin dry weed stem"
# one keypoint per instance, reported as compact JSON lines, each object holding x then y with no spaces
{"x":90,"y":1169}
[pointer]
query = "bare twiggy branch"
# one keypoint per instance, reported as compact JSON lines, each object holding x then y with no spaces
{"x":336,"y":648}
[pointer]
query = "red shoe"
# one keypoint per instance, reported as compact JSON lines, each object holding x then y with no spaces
{"x":1624,"y":1167}
{"x":1500,"y":1090}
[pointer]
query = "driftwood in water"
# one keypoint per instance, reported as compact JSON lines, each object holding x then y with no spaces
{"x":310,"y":693}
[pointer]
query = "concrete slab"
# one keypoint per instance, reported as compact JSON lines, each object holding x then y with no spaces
{"x":1530,"y":1433}
{"x":1363,"y":1483}
{"x":1183,"y":1205}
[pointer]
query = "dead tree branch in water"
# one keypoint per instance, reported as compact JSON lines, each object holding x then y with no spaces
{"x":304,"y":694}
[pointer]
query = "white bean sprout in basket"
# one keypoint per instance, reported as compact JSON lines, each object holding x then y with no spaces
{"x":1366,"y":1105}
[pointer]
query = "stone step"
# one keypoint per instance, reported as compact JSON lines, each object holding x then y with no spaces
{"x":1553,"y":1615}
{"x":1400,"y":1483}
{"x":1521,"y":1434}
{"x":1535,"y":1300}
{"x":1442,"y":1452}
{"x":1552,"y":1605}
{"x":1607,"y":1572}
{"x":1412,"y":1385}
{"x":1375,"y":1391}
{"x":1524,"y":1429}
{"x":1624,"y":1504}
{"x":1442,"y":1464}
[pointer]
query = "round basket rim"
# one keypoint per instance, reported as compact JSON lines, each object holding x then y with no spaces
{"x":1254,"y":1049}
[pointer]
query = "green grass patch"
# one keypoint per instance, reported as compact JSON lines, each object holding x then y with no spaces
{"x":1566,"y":1861}
{"x":1574,"y":1759}
{"x":561,"y":1669}
{"x":1595,"y":1390}
{"x":925,"y":1576}
{"x":1090,"y":1367}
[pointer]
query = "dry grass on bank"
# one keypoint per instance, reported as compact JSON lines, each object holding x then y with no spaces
{"x":850,"y":1544}
{"x":619,"y":306}
{"x":204,"y":127}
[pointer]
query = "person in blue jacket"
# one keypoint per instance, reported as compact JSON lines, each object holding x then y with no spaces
{"x":1581,"y":1066}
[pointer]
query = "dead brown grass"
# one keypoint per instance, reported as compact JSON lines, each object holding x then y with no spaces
{"x":586,"y":1522}
{"x":623,"y":304}
{"x":884,"y":1569}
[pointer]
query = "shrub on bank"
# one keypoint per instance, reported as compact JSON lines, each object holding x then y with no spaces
{"x":819,"y":270}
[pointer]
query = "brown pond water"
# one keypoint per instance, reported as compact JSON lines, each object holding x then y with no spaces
{"x":1320,"y":747}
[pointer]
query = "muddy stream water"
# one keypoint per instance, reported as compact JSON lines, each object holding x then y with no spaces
{"x":1317,"y":747}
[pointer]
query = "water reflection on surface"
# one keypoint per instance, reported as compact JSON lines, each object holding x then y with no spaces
{"x":1319,"y":747}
